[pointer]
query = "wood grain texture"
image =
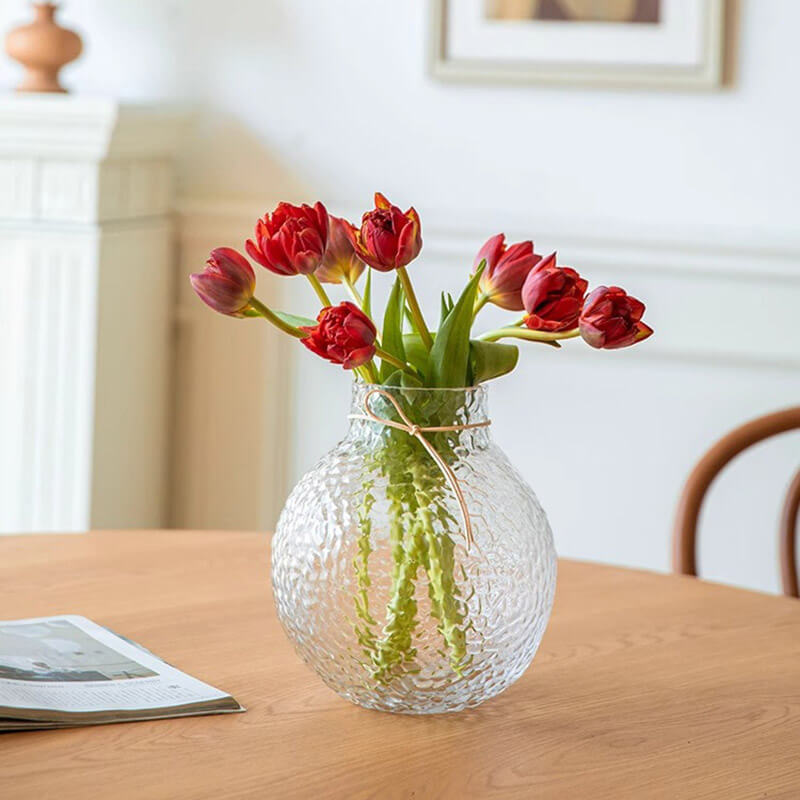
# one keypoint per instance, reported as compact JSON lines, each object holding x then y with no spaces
{"x":646,"y":686}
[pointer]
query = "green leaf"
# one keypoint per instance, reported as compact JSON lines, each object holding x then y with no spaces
{"x":393,"y":378}
{"x":392,"y":338}
{"x":293,"y":319}
{"x":449,"y":356}
{"x":402,"y":379}
{"x":447,"y":307}
{"x":366,"y":298}
{"x":489,"y":360}
{"x":409,"y":381}
{"x":416,"y":352}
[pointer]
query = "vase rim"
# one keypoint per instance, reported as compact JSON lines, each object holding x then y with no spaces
{"x":386,"y":386}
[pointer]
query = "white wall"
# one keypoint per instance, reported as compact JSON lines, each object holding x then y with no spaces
{"x":336,"y":99}
{"x":689,"y":200}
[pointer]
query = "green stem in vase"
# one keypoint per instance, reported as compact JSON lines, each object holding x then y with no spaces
{"x":419,"y":531}
{"x":396,"y":643}
{"x":364,"y":632}
{"x":394,"y":647}
{"x":442,"y":587}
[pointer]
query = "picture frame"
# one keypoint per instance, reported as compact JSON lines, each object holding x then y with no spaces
{"x":683,"y":51}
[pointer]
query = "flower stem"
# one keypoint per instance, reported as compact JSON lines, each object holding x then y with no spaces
{"x":352,"y":291}
{"x":395,"y":362}
{"x":533,"y":336}
{"x":482,"y":300}
{"x":321,"y":294}
{"x":371,"y":372}
{"x":364,"y":632}
{"x":416,"y":311}
{"x":442,"y":587}
{"x":270,"y":316}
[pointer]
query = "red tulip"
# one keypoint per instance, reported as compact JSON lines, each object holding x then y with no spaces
{"x":388,"y":238}
{"x":506,"y":270}
{"x":553,"y":296}
{"x":344,"y":334}
{"x":340,"y":260}
{"x":611,"y":318}
{"x":291,"y":240}
{"x":227,"y":283}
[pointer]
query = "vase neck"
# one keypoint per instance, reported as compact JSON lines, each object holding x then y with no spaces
{"x":45,"y":12}
{"x":463,"y":410}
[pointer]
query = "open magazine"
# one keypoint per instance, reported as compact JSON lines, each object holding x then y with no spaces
{"x":57,"y":672}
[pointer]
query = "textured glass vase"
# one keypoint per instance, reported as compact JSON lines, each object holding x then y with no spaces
{"x":375,"y":582}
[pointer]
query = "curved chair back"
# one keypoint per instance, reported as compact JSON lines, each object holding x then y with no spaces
{"x":684,"y":558}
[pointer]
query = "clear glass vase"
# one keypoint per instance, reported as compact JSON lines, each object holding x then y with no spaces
{"x":375,"y":581}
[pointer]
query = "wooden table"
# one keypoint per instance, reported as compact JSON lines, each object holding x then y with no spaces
{"x":646,"y":686}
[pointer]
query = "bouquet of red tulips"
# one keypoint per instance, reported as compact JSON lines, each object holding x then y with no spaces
{"x":408,"y":352}
{"x":301,"y":240}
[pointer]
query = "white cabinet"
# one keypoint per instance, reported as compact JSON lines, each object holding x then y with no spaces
{"x":86,"y":298}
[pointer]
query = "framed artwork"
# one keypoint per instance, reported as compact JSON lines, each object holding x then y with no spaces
{"x":660,"y":43}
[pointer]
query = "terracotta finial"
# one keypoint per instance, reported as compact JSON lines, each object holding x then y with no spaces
{"x":43,"y":47}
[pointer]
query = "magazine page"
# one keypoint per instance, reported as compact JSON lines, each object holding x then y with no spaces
{"x":69,"y":664}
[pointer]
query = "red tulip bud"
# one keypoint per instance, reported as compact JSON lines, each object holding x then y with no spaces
{"x":340,"y":260}
{"x":388,"y":238}
{"x":506,"y":270}
{"x":611,"y":318}
{"x":227,"y":283}
{"x":553,"y":296}
{"x":344,"y":334}
{"x":291,"y":240}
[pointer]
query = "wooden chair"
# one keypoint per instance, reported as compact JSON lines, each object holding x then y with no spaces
{"x":684,"y":558}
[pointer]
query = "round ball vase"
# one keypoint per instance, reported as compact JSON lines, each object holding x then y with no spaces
{"x":43,"y":47}
{"x":413,"y":581}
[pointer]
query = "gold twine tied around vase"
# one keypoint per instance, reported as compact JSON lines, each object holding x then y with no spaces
{"x":417,"y":432}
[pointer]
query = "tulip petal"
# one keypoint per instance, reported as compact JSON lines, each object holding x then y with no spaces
{"x":490,"y":252}
{"x":510,"y":301}
{"x":547,"y":261}
{"x":409,"y":244}
{"x":357,"y":358}
{"x":592,"y":335}
{"x":219,"y":293}
{"x":255,"y":253}
{"x":231,"y":260}
{"x":323,"y":223}
{"x":340,"y":259}
{"x":276,"y":257}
